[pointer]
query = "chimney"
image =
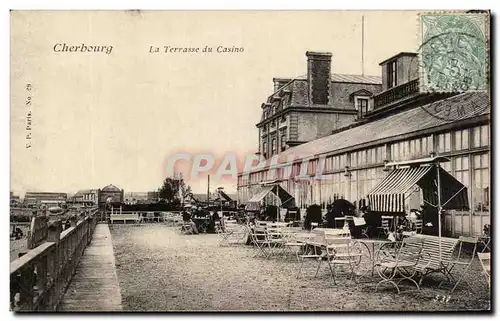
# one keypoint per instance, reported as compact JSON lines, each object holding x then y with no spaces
{"x":318,"y":77}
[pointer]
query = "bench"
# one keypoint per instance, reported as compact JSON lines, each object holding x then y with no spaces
{"x":431,"y":261}
{"x":124,"y":217}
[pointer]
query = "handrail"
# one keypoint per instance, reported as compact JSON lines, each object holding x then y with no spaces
{"x":396,"y":93}
{"x":39,"y":278}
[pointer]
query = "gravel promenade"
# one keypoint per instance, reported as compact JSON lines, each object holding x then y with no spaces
{"x":160,"y":269}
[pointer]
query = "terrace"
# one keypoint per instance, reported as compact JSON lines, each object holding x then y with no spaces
{"x":155,"y":267}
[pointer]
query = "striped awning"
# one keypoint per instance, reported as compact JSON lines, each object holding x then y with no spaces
{"x":390,"y":194}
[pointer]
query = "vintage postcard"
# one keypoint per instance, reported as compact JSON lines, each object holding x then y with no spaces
{"x":250,"y":161}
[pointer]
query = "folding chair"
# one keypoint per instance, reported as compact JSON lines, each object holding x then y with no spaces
{"x":259,"y":240}
{"x":464,"y":262}
{"x":186,"y":228}
{"x":294,"y":241}
{"x":485,"y":239}
{"x":274,"y":237}
{"x":342,"y":250}
{"x":385,"y":226}
{"x":359,"y":221}
{"x":485,"y":259}
{"x":310,"y":251}
{"x":418,"y":226}
{"x":232,"y":232}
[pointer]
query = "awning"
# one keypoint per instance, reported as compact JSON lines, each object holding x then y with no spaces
{"x":287,"y":200}
{"x":260,"y":196}
{"x":390,"y":195}
{"x":453,"y":193}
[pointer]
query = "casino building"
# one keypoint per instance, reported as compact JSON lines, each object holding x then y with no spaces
{"x":349,"y":127}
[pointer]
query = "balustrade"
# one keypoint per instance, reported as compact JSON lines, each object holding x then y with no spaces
{"x":39,"y":278}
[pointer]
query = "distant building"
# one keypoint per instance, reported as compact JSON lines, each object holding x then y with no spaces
{"x":37,"y":198}
{"x":87,"y":197}
{"x":154,"y":196}
{"x":141,"y":197}
{"x":111,"y":194}
{"x":14,"y":199}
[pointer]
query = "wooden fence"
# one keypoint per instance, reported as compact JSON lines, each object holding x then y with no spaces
{"x":39,"y":278}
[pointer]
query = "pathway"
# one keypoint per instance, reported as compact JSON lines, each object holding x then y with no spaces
{"x":95,"y":286}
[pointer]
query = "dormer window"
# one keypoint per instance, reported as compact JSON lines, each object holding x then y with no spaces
{"x":361,"y":99}
{"x":362,"y":104}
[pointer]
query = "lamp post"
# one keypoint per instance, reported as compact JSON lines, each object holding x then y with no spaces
{"x":219,"y":190}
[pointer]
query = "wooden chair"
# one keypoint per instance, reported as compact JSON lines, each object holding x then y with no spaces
{"x":463,"y":261}
{"x":485,"y":259}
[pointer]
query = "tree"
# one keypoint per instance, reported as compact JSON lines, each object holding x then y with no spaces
{"x":169,"y":191}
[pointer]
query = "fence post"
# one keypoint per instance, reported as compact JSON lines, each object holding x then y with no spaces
{"x":52,"y":265}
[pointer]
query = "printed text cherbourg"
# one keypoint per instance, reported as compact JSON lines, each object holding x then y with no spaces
{"x":64,"y":47}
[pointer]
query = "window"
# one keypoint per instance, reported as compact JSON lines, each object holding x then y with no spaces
{"x":273,"y":123}
{"x":446,"y":166}
{"x":381,"y":154}
{"x":283,"y":142}
{"x":392,"y":74}
{"x":283,"y":118}
{"x":444,"y":143}
{"x":362,"y":105}
{"x":462,"y":139}
{"x":273,"y":147}
{"x":264,"y":149}
{"x":462,"y":170}
{"x":481,"y":186}
{"x":481,"y":137}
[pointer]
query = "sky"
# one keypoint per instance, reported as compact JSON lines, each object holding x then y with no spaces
{"x":99,"y":119}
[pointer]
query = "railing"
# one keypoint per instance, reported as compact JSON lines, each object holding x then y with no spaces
{"x":397,"y":93}
{"x":39,"y":278}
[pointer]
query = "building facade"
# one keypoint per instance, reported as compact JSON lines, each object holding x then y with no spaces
{"x":306,"y":108}
{"x":87,"y":197}
{"x":401,"y":124}
{"x":37,"y":198}
{"x":111,"y":194}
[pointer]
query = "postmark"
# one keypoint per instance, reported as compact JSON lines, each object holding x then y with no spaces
{"x":453,"y":52}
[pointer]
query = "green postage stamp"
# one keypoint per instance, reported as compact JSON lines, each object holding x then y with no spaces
{"x":454,"y":51}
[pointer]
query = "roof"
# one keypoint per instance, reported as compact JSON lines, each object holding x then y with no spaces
{"x":203,"y":197}
{"x":376,"y":80}
{"x":401,"y":54}
{"x":85,"y":191}
{"x":405,"y":122}
{"x":111,"y":188}
{"x":358,"y":79}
